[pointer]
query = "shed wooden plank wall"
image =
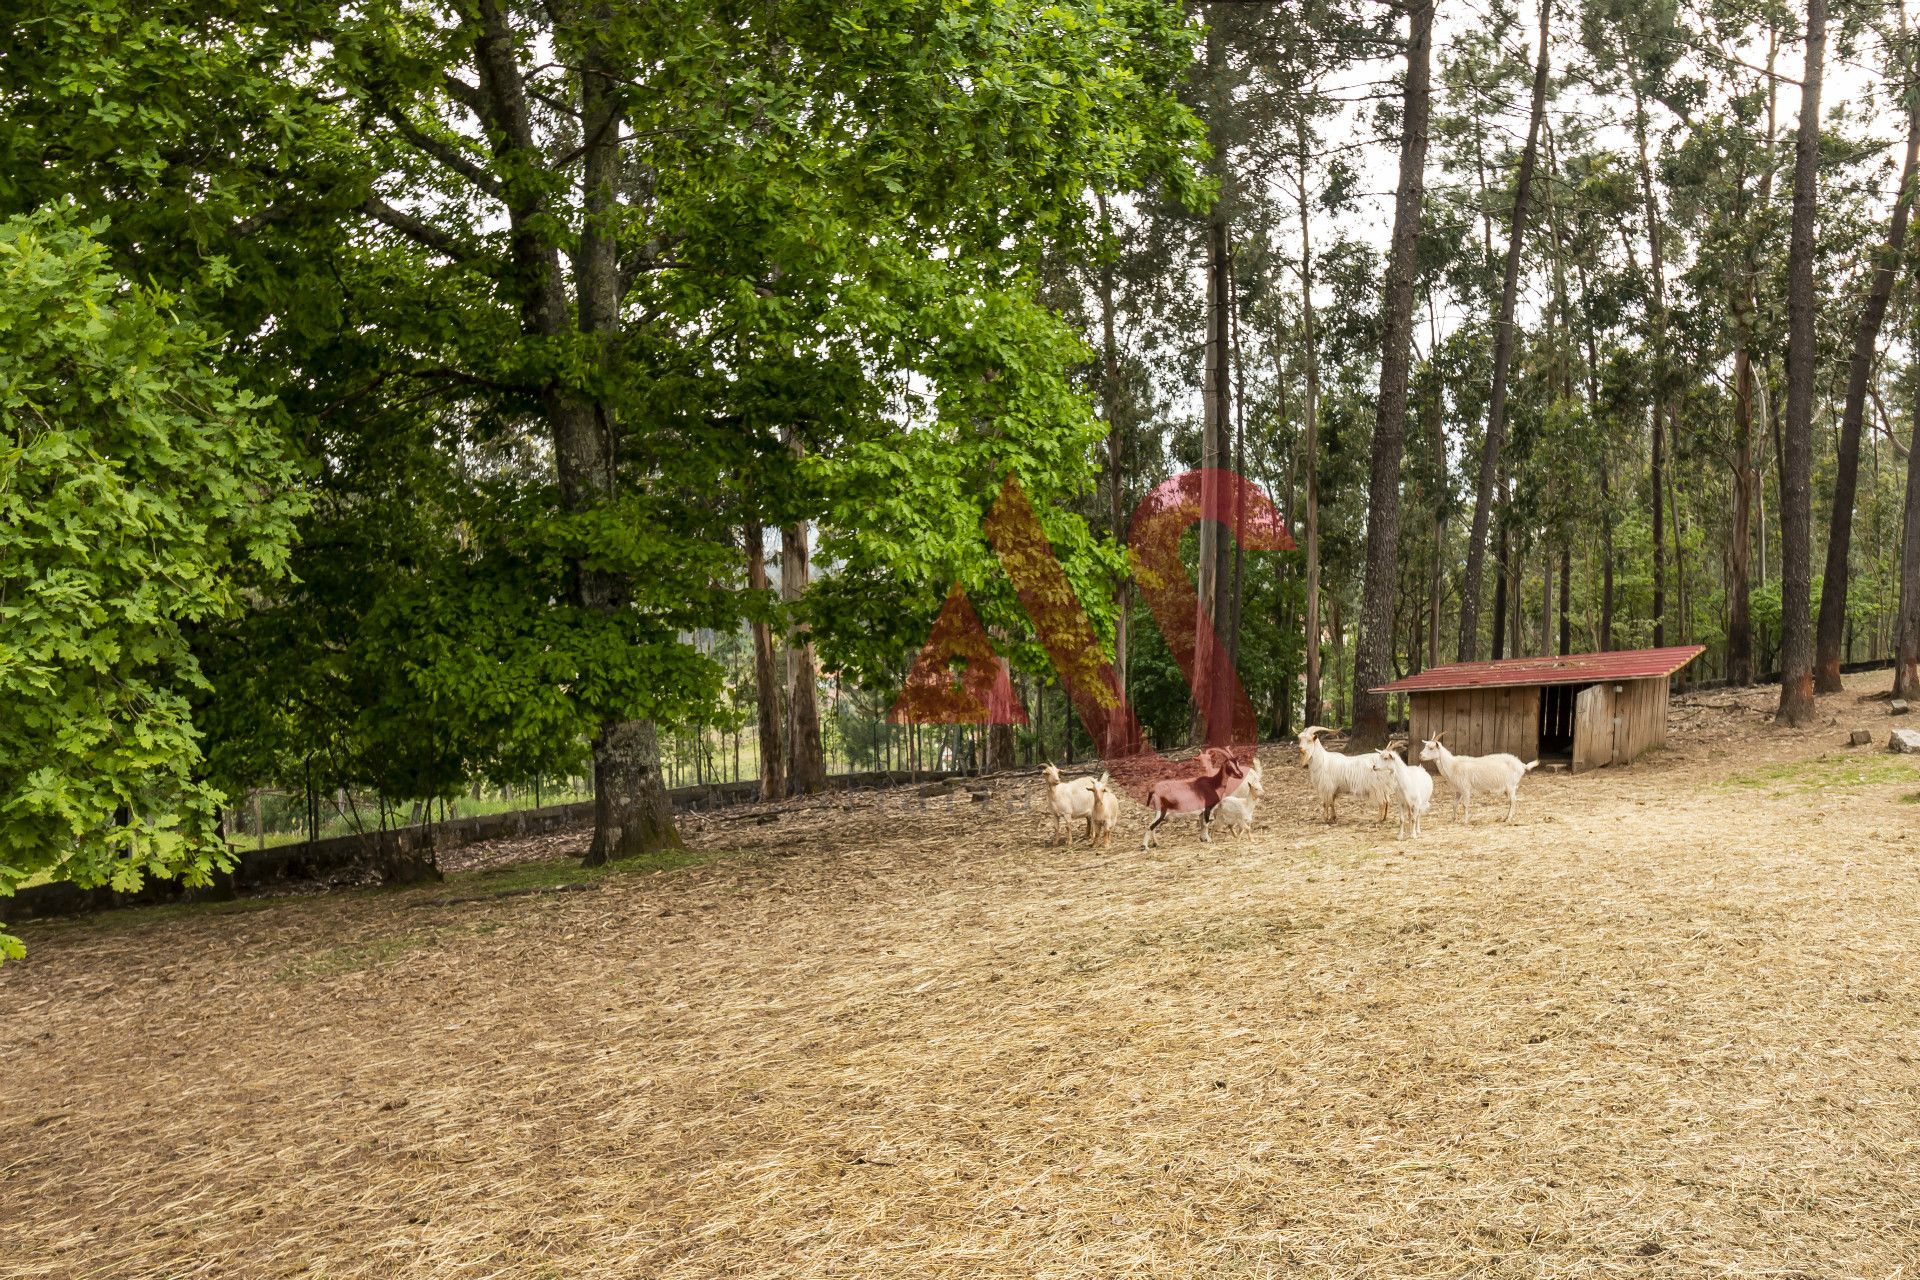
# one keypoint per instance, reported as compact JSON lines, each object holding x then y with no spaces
{"x":1640,"y":718}
{"x":1614,"y":728}
{"x":1479,"y":722}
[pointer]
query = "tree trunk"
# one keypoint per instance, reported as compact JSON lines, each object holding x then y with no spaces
{"x":1546,"y":598}
{"x":1516,"y":561}
{"x":1313,"y":710}
{"x":1209,"y":716}
{"x":1796,"y":462}
{"x":1373,"y":653}
{"x":1110,"y":399}
{"x":1906,"y":626}
{"x":1866,"y":337}
{"x":1211,"y":711}
{"x":1234,"y":598}
{"x":1437,"y":428}
{"x":1682,"y":626}
{"x":1502,"y":357}
{"x":1500,"y":594}
{"x":806,"y":768}
{"x":584,"y":445}
{"x":1657,"y":485}
{"x":766,"y":677}
{"x":632,"y":814}
{"x":1746,"y":483}
{"x":1566,"y":590}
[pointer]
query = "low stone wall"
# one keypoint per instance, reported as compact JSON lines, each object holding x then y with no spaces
{"x":356,"y":858}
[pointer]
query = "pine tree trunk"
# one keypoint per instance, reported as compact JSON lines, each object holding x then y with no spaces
{"x":1866,"y":338}
{"x":766,"y":678}
{"x":1502,"y":357}
{"x":1373,"y":653}
{"x":1796,"y":463}
{"x":806,"y":768}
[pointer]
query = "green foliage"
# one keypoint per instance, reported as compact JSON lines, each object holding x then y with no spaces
{"x":139,"y":490}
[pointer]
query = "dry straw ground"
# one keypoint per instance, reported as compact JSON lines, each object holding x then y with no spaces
{"x":1664,"y":1025}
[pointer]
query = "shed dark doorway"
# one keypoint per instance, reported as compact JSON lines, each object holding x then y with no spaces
{"x":1557,"y":703}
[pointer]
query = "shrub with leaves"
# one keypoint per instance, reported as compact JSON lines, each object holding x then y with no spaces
{"x":139,"y":489}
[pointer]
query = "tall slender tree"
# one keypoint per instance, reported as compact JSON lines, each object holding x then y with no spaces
{"x":1373,"y":652}
{"x":1310,"y":435}
{"x":1866,"y":339}
{"x":1906,"y":626}
{"x":1503,"y":331}
{"x":1796,"y":458}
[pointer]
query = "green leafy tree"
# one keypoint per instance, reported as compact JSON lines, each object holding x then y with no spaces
{"x":139,"y":491}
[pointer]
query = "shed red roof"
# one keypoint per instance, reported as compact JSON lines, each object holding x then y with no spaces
{"x":1575,"y":668}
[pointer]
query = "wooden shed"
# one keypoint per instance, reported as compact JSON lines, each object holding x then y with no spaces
{"x":1586,"y":710}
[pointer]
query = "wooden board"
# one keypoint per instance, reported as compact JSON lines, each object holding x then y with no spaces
{"x":1480,"y":722}
{"x":1593,"y":728}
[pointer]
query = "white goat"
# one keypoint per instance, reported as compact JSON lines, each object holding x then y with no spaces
{"x":1334,"y":775}
{"x":1250,"y":786}
{"x":1489,"y":775}
{"x":1236,"y":812}
{"x":1106,"y":811}
{"x":1070,"y":802}
{"x":1409,"y":785}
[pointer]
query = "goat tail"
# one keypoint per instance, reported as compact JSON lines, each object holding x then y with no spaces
{"x":1532,"y":765}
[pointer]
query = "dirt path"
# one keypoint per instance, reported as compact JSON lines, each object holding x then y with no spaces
{"x":1663,"y":1025}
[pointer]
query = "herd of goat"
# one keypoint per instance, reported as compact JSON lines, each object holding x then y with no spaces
{"x":1228,"y":792}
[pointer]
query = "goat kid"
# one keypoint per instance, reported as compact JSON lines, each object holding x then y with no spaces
{"x":1408,"y":785}
{"x":1190,"y":795}
{"x":1333,"y":775}
{"x":1493,"y":775}
{"x":1106,"y":811}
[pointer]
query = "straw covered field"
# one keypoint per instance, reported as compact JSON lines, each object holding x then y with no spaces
{"x":1663,"y":1025}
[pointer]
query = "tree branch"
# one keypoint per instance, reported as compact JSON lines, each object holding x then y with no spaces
{"x":448,"y":155}
{"x":422,"y":233}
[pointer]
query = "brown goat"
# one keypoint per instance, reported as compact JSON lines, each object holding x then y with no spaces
{"x":1190,"y":795}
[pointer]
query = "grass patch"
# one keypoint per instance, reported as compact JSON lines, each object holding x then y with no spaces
{"x":1793,"y":777}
